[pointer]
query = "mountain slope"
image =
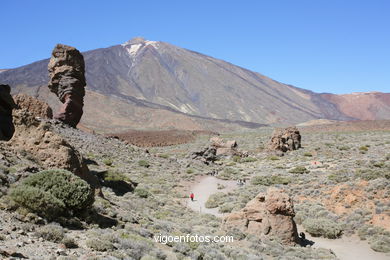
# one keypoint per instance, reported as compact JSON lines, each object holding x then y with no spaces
{"x":174,"y":83}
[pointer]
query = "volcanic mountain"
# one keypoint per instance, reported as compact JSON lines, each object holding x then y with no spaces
{"x":148,"y":84}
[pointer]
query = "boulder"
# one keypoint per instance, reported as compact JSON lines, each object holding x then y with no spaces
{"x":269,"y":214}
{"x":226,"y":148}
{"x":7,"y":104}
{"x":67,"y":80}
{"x":35,"y":107}
{"x":285,"y":139}
{"x":207,"y":155}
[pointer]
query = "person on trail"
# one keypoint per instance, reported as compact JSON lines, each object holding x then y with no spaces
{"x":192,"y":196}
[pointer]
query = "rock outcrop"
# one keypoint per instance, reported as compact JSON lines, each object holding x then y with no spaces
{"x":34,"y":138}
{"x":269,"y":214}
{"x":67,"y":80}
{"x":226,"y":148}
{"x":218,"y":148}
{"x":7,"y":104}
{"x":35,"y":107}
{"x":285,"y":139}
{"x":207,"y":155}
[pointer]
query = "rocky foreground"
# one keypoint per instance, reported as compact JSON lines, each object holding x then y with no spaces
{"x":338,"y":183}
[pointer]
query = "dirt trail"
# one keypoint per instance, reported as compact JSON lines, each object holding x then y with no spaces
{"x":202,"y":191}
{"x":345,"y":248}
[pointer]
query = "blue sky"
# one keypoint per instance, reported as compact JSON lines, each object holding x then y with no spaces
{"x":337,"y":46}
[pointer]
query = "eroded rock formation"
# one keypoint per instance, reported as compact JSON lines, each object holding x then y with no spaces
{"x":7,"y":104}
{"x":285,"y":139}
{"x":207,"y":155}
{"x":67,"y":80}
{"x":269,"y":214}
{"x":226,"y":148}
{"x":35,"y":139}
{"x":35,"y":107}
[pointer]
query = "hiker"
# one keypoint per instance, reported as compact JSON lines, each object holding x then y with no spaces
{"x":192,"y":196}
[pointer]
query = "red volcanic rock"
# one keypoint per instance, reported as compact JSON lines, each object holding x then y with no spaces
{"x":268,"y":214}
{"x":285,"y":139}
{"x":67,"y":80}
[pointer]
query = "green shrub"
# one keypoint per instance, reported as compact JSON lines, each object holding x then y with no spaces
{"x":69,"y":242}
{"x":338,"y":177}
{"x":308,"y":154}
{"x":236,"y":158}
{"x":215,"y":200}
{"x":144,"y":163}
{"x":380,"y":243}
{"x":378,"y":237}
{"x":142,"y":193}
{"x":322,"y":227}
{"x":372,"y":174}
{"x":189,"y":171}
{"x":270,"y":180}
{"x":38,"y":201}
{"x":53,"y":192}
{"x":99,"y":244}
{"x":115,"y":176}
{"x":363,"y":148}
{"x":248,"y":159}
{"x":51,"y":232}
{"x":226,"y":208}
{"x":108,"y":162}
{"x":299,"y":170}
{"x":273,"y":158}
{"x":343,"y":148}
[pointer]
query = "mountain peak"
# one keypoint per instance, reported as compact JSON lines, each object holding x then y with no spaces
{"x":135,"y":40}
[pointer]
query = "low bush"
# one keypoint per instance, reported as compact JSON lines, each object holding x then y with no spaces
{"x":99,"y":244}
{"x":299,"y":170}
{"x":215,"y":200}
{"x":38,"y":201}
{"x":108,"y":162}
{"x":378,"y":237}
{"x":51,"y":232}
{"x":248,"y":159}
{"x":143,"y":163}
{"x":372,"y":174}
{"x":69,"y":242}
{"x":270,"y":180}
{"x":322,"y":227}
{"x":380,"y":243}
{"x":51,"y":193}
{"x":142,"y":193}
{"x":115,"y":176}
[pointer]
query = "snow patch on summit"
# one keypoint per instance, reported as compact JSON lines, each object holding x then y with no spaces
{"x":133,"y":47}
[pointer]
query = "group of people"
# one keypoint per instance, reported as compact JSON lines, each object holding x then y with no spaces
{"x":241,"y":182}
{"x":213,"y":173}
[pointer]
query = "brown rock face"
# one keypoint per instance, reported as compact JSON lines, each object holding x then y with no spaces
{"x":226,"y":148}
{"x":268,"y":214}
{"x":34,"y":106}
{"x":285,"y":139}
{"x":67,"y":80}
{"x":7,"y":104}
{"x":48,"y":148}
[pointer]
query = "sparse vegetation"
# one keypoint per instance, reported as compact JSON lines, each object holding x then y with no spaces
{"x":270,"y":180}
{"x":299,"y":170}
{"x":143,"y":163}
